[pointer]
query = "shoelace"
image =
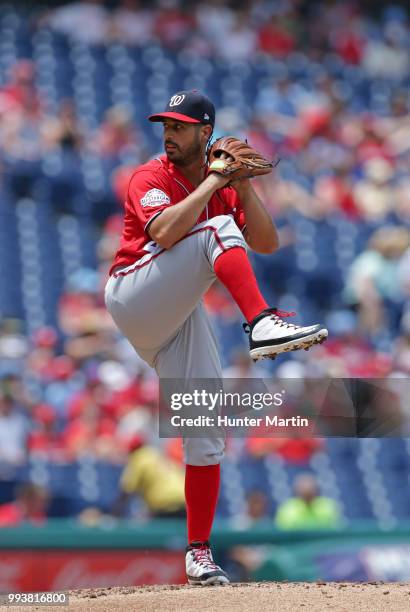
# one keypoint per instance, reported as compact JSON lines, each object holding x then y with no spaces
{"x":202,"y":557}
{"x":277,"y":316}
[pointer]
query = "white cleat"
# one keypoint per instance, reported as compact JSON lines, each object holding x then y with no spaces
{"x":269,"y":335}
{"x":200,"y":567}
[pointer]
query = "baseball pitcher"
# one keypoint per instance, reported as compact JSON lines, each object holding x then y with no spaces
{"x":190,"y":216}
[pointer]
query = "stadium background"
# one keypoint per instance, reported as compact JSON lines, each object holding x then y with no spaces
{"x":325,"y":85}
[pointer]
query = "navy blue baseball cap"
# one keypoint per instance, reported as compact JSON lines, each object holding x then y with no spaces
{"x":189,"y":106}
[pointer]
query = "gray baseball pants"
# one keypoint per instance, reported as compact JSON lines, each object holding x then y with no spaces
{"x":157,"y":304}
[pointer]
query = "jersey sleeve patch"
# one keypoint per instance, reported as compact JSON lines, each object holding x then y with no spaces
{"x":155,"y":197}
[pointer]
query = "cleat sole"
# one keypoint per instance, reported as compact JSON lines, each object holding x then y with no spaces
{"x":213,"y":581}
{"x":271,"y":352}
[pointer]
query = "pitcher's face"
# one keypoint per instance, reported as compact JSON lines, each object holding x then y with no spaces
{"x":185,"y":143}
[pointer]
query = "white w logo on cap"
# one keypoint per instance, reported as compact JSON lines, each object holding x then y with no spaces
{"x":175,"y":100}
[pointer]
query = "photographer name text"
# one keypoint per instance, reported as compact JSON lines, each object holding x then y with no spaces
{"x":246,"y":421}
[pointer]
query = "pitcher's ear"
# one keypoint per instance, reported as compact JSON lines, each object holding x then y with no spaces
{"x":211,"y":132}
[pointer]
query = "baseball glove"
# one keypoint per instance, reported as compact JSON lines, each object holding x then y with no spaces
{"x":243,"y":162}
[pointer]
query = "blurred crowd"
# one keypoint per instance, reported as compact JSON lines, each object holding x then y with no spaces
{"x":236,"y":30}
{"x":79,"y":389}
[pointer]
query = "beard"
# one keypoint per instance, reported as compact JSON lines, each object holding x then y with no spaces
{"x":191,"y":154}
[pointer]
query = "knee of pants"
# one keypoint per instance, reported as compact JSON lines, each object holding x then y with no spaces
{"x":203,"y":451}
{"x":225,"y":222}
{"x":227,"y":235}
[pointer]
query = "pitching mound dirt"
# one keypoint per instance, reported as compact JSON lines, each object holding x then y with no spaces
{"x":283,"y":597}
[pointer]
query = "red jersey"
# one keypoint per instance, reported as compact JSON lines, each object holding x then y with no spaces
{"x":153,"y":187}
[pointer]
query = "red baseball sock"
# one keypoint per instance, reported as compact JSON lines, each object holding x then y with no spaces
{"x":234,"y":270}
{"x":201,"y":495}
